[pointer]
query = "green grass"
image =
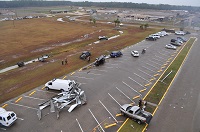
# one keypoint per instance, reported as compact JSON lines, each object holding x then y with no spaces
{"x":158,"y":91}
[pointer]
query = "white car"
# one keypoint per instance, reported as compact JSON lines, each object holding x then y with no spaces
{"x":170,"y":46}
{"x":135,"y":53}
{"x":155,"y":36}
{"x":180,"y":33}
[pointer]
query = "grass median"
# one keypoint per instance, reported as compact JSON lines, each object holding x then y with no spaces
{"x":159,"y":90}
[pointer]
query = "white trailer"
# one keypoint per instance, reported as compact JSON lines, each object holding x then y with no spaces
{"x":60,"y":84}
{"x":7,"y":118}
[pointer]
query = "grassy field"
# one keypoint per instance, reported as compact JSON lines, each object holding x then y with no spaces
{"x":158,"y":91}
{"x":23,"y":40}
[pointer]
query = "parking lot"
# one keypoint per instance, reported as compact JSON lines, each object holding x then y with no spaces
{"x":119,"y":81}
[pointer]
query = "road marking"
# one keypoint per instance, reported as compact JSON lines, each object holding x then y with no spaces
{"x":156,"y":75}
{"x":141,"y":77}
{"x":122,"y":125}
{"x":155,"y":62}
{"x":72,"y":73}
{"x":147,"y":84}
{"x":159,"y":57}
{"x":152,"y":79}
{"x":3,"y":129}
{"x":80,"y":69}
{"x":113,"y":64}
{"x":132,"y":88}
{"x":148,"y":69}
{"x":162,"y":54}
{"x":20,"y":118}
{"x":136,"y":97}
{"x":45,"y":91}
{"x":109,"y":67}
{"x":64,"y":77}
{"x":34,"y":98}
{"x":96,"y":120}
{"x":136,"y":82}
{"x":43,"y":87}
{"x":143,"y":90}
{"x":4,"y":106}
{"x":114,"y":99}
{"x":18,"y":99}
{"x":125,"y":95}
{"x":159,"y":70}
{"x":79,"y":125}
{"x":100,"y":70}
{"x":114,"y":124}
{"x":84,"y":77}
{"x":94,"y":74}
{"x":118,"y":115}
{"x":152,"y":65}
{"x":145,"y":73}
{"x":32,"y":93}
{"x":24,"y":106}
{"x":108,"y":111}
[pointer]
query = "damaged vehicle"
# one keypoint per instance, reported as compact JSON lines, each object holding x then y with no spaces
{"x":136,"y":113}
{"x":100,"y":60}
{"x":85,"y":55}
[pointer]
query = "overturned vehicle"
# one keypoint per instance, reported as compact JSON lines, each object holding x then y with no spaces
{"x":100,"y":60}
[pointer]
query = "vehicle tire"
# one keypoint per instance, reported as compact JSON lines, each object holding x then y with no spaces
{"x":62,"y":90}
{"x":47,"y":88}
{"x":139,"y":122}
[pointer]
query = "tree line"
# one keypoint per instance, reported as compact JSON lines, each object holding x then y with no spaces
{"x":41,"y":3}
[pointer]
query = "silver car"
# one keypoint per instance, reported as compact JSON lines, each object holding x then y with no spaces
{"x":170,"y":46}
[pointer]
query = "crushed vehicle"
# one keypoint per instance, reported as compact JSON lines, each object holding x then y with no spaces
{"x":114,"y":54}
{"x":100,"y":60}
{"x":71,"y":98}
{"x":60,"y":84}
{"x":43,"y":58}
{"x":182,"y":39}
{"x":103,"y":38}
{"x":85,"y":55}
{"x":7,"y":118}
{"x":136,"y":113}
{"x":175,"y":42}
{"x":20,"y":64}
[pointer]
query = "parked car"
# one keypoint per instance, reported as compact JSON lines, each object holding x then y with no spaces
{"x":84,"y":55}
{"x":100,"y":60}
{"x":136,"y":113}
{"x":114,"y":54}
{"x":151,"y":38}
{"x":43,"y":58}
{"x":180,"y":33}
{"x":103,"y":38}
{"x":175,"y":42}
{"x":155,"y":35}
{"x":135,"y":53}
{"x":7,"y":118}
{"x":182,"y":38}
{"x":20,"y":64}
{"x":170,"y":46}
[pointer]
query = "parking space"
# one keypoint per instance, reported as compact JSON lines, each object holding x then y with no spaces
{"x":119,"y":81}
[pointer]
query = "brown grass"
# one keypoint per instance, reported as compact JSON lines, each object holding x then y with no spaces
{"x":28,"y":35}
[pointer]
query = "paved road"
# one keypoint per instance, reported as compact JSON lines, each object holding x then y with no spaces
{"x":180,"y":110}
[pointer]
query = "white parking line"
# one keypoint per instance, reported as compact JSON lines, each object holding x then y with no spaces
{"x":132,"y":88}
{"x":114,"y":99}
{"x":159,"y":57}
{"x":20,"y":118}
{"x":148,"y":69}
{"x":33,"y":98}
{"x":155,"y":63}
{"x":79,"y":125}
{"x":166,"y":51}
{"x":163,"y":54}
{"x":146,"y":73}
{"x":157,"y":60}
{"x":137,"y":82}
{"x":141,"y":77}
{"x":96,"y":120}
{"x":45,"y":91}
{"x":108,"y":111}
{"x":3,"y":129}
{"x":94,"y":74}
{"x":152,"y":66}
{"x":99,"y":70}
{"x":125,"y":95}
{"x":23,"y":106}
{"x":83,"y":77}
{"x":114,"y":64}
{"x":109,"y":67}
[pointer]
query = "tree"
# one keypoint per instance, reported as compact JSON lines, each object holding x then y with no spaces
{"x":117,"y":22}
{"x":94,"y":21}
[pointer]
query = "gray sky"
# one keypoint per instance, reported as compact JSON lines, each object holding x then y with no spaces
{"x":170,"y":2}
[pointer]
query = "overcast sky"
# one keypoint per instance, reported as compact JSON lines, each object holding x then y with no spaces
{"x":170,"y":2}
